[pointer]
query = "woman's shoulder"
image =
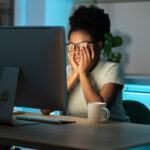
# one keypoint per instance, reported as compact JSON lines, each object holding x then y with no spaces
{"x":106,"y":65}
{"x":108,"y":68}
{"x":68,"y":70}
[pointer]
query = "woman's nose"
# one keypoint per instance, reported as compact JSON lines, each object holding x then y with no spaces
{"x":77,"y":50}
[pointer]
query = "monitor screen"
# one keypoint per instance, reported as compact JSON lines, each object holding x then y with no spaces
{"x":39,"y":54}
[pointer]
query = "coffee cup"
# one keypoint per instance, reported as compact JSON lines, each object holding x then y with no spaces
{"x":98,"y":112}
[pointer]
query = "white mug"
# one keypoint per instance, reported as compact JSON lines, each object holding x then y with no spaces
{"x":97,"y":112}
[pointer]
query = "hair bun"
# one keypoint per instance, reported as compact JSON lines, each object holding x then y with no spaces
{"x":91,"y":19}
{"x":90,"y":16}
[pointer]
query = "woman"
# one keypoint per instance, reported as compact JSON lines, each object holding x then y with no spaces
{"x":90,"y":79}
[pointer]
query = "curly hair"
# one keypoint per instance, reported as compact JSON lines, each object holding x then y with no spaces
{"x":92,"y":20}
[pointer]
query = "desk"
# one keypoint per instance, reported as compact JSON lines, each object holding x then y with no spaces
{"x":80,"y":135}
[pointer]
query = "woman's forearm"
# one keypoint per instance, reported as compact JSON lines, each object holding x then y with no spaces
{"x":71,"y":81}
{"x":88,"y":90}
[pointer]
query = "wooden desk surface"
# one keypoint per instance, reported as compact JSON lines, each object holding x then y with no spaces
{"x":79,"y":135}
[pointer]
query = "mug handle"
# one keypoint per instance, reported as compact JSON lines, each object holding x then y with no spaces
{"x":107,"y":114}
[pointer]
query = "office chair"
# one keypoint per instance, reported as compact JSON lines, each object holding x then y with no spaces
{"x":137,"y":112}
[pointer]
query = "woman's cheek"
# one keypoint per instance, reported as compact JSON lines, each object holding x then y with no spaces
{"x":77,"y":58}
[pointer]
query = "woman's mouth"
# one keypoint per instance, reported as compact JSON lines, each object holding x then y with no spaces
{"x":77,"y":59}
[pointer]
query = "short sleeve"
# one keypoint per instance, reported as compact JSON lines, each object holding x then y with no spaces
{"x":68,"y":70}
{"x":114,"y":74}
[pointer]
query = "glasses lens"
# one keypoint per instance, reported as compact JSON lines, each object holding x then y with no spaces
{"x":72,"y":46}
{"x":69,"y":46}
{"x":83,"y":44}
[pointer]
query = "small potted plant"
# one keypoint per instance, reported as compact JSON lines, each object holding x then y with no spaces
{"x":110,"y":43}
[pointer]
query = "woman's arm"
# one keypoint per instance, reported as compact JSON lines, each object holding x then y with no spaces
{"x":86,"y":62}
{"x":73,"y":78}
{"x":89,"y":92}
{"x":71,"y":81}
{"x":108,"y":94}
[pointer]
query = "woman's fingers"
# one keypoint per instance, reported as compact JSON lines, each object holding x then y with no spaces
{"x":85,"y":52}
{"x":85,"y":57}
{"x":81,"y":55}
{"x":71,"y":54}
{"x":70,"y":51}
{"x":88,"y":53}
{"x":92,"y":53}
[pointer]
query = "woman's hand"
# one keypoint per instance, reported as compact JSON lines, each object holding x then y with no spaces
{"x":71,"y":54}
{"x":46,"y":111}
{"x":87,"y":59}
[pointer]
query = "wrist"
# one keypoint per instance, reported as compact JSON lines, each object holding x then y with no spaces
{"x":81,"y":74}
{"x":76,"y":73}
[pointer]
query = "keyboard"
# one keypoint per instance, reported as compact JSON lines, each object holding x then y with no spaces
{"x":18,"y":112}
{"x":43,"y":119}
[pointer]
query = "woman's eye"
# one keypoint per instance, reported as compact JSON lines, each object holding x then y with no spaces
{"x":85,"y":44}
{"x":81,"y":45}
{"x":72,"y":46}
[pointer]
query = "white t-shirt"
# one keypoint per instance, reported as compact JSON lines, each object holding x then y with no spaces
{"x":104,"y":72}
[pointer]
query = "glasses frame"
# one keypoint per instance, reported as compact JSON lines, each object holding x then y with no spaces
{"x":77,"y":44}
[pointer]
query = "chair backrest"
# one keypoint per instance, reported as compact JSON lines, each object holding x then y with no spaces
{"x":137,"y":112}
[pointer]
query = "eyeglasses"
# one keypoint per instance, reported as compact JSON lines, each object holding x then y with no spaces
{"x":71,"y":46}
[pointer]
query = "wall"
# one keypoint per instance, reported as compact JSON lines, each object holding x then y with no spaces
{"x":131,"y":20}
{"x":42,"y":12}
{"x":20,"y":12}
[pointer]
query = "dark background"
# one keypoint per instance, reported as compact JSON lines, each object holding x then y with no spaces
{"x":6,"y":12}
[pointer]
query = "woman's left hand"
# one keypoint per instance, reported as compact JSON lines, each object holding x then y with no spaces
{"x":87,"y":59}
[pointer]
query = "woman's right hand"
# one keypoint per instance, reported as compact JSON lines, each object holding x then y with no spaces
{"x":46,"y":111}
{"x":72,"y":62}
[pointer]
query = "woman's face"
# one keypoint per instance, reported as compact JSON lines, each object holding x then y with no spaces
{"x":78,"y":40}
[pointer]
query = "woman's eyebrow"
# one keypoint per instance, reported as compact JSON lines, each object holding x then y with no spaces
{"x":81,"y":42}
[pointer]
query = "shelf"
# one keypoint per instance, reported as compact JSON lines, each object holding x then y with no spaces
{"x":110,"y":1}
{"x":137,"y":79}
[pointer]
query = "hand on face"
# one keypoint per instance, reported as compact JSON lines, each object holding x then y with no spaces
{"x":82,"y":61}
{"x":71,"y":55}
{"x":87,"y":55}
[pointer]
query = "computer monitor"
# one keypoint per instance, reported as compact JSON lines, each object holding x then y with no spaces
{"x":32,"y":69}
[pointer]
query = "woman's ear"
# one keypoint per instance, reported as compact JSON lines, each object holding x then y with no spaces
{"x":100,"y":45}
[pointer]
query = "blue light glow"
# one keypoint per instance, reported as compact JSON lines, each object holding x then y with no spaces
{"x":137,"y":88}
{"x":137,"y":92}
{"x":20,"y":13}
{"x":57,"y":12}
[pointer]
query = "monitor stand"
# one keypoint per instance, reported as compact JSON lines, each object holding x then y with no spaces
{"x":8,"y":87}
